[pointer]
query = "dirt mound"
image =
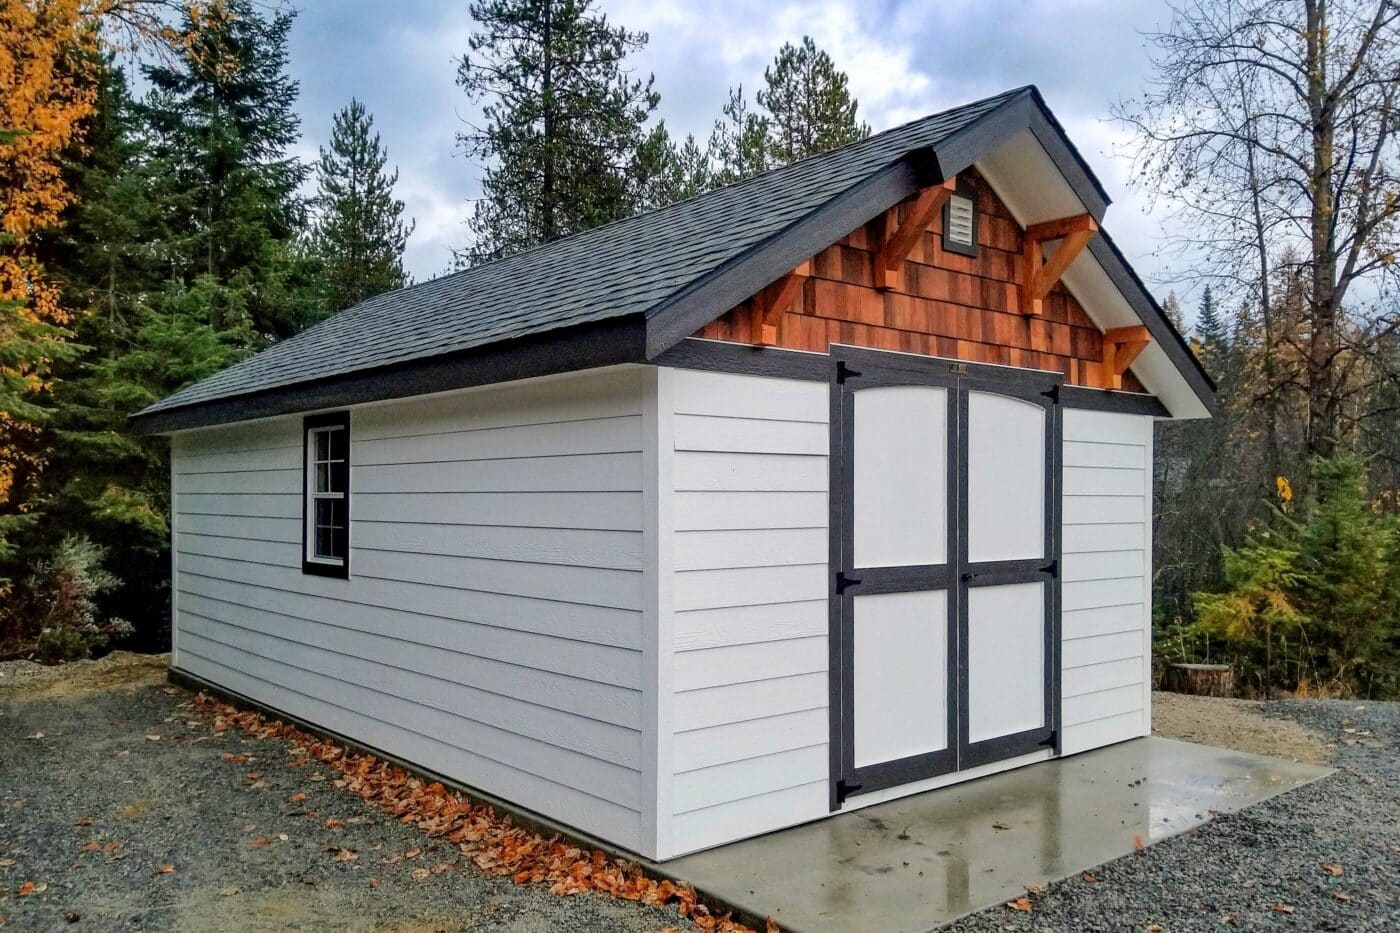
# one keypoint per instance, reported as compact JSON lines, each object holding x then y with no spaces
{"x":118,"y":669}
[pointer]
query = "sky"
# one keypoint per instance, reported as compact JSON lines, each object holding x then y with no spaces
{"x":904,"y":59}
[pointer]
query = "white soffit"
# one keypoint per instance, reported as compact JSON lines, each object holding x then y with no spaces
{"x":1025,"y":178}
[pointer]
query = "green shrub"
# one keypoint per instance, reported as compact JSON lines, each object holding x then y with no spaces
{"x":1312,"y":603}
{"x":56,"y":613}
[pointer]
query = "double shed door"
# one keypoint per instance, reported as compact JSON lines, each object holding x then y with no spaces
{"x":945,"y":595}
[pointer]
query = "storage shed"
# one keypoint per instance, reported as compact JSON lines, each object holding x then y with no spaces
{"x":825,"y":487}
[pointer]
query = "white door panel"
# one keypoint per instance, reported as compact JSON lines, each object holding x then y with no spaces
{"x":901,"y":675}
{"x":1006,"y":659}
{"x":901,"y":476}
{"x":1005,"y":478}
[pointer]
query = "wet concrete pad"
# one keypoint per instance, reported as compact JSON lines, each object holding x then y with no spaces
{"x":919,"y":862}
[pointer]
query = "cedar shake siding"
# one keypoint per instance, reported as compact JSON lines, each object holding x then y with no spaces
{"x":945,"y":305}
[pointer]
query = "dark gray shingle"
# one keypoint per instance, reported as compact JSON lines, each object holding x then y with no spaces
{"x":624,"y":268}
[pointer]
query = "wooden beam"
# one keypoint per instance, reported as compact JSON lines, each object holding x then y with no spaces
{"x":769,"y":305}
{"x":899,"y":239}
{"x":1121,"y":346}
{"x":1039,"y":275}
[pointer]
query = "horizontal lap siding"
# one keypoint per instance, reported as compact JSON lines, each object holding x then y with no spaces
{"x":1105,"y":579}
{"x":491,"y":626}
{"x":749,"y":500}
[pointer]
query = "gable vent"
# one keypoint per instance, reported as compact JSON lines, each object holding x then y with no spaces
{"x":960,"y":221}
{"x":960,"y":225}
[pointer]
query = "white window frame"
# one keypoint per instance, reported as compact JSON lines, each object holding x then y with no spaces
{"x":314,"y":428}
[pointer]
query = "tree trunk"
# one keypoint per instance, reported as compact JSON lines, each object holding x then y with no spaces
{"x":1206,"y":680}
{"x":1322,"y":337}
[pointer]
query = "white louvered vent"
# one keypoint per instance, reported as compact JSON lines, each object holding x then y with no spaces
{"x":960,"y":214}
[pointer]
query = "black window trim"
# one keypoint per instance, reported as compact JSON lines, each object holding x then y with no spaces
{"x":322,"y":568}
{"x":966,"y":191}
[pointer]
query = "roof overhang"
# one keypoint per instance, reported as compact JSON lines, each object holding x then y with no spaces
{"x":605,"y":343}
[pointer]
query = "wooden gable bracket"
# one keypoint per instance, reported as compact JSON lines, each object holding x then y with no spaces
{"x":900,"y":238}
{"x":1121,"y":345}
{"x":767,"y":307}
{"x":1039,"y":274}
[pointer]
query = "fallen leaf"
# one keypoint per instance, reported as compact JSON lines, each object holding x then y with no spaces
{"x":111,"y":847}
{"x":1023,"y":904}
{"x":298,"y":797}
{"x":26,"y":889}
{"x":1089,"y":878}
{"x":413,"y":853}
{"x":1248,"y":885}
{"x":420,"y":873}
{"x":1334,"y":870}
{"x":152,"y":737}
{"x":227,"y":892}
{"x":254,"y":776}
{"x":333,"y":823}
{"x":6,"y":862}
{"x":1282,"y":909}
{"x":166,"y":870}
{"x":1341,"y":895}
{"x":235,"y":758}
{"x":260,"y":842}
{"x":1137,"y":842}
{"x":85,"y":821}
{"x":1153,"y":928}
{"x":440,"y":867}
{"x":374,"y":882}
{"x":347,"y":855}
{"x":770,"y":926}
{"x":1036,"y":888}
{"x":91,"y":847}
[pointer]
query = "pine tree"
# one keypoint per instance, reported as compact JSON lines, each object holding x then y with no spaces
{"x":739,"y":141}
{"x":664,"y":172}
{"x":1210,"y":328}
{"x":563,"y":121}
{"x":805,"y":108}
{"x":809,"y":104}
{"x":359,"y":233}
{"x":221,"y":119}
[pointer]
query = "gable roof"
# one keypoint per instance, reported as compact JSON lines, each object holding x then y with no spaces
{"x":626,"y":291}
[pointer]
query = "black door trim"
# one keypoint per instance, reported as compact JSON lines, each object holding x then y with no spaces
{"x":859,"y":368}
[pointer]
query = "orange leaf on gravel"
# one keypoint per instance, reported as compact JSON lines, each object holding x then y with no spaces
{"x":236,"y":759}
{"x":298,"y":797}
{"x":1023,"y":904}
{"x":770,"y":926}
{"x":1283,"y":909}
{"x":333,"y":823}
{"x":111,"y":847}
{"x":413,"y":853}
{"x":91,"y":847}
{"x":1334,"y":870}
{"x":1089,"y":878}
{"x":26,"y":889}
{"x":166,"y":870}
{"x":85,"y":821}
{"x":440,"y":867}
{"x":260,"y":842}
{"x":1137,"y":842}
{"x":1341,"y":895}
{"x":420,"y":873}
{"x":346,"y":855}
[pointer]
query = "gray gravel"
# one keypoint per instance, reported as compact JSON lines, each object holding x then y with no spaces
{"x":175,"y":800}
{"x":1233,"y":871}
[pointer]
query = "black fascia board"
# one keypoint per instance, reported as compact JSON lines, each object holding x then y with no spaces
{"x":584,"y":346}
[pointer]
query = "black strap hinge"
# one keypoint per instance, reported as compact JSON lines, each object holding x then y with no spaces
{"x":843,"y":582}
{"x":1053,"y":394}
{"x":844,"y":372}
{"x":845,"y":788}
{"x":1052,"y":568}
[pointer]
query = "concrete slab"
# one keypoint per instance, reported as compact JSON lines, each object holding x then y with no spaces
{"x":925,"y":860}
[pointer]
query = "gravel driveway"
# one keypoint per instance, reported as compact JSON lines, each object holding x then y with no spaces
{"x":126,"y":817}
{"x":125,"y":812}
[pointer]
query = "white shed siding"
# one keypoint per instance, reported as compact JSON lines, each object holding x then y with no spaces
{"x":749,"y":621}
{"x":491,"y":628}
{"x":1106,"y":579}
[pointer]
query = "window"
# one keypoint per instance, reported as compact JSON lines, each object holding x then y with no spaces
{"x":960,"y":223}
{"x":326,"y":502}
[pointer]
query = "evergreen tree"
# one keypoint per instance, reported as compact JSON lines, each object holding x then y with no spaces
{"x":563,"y":118}
{"x":221,"y":119}
{"x":359,"y":233}
{"x":809,"y":104}
{"x":805,"y":108}
{"x":739,"y":141}
{"x":1210,"y":327}
{"x":665,"y":173}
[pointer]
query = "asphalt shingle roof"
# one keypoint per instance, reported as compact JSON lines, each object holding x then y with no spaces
{"x":627,"y":267}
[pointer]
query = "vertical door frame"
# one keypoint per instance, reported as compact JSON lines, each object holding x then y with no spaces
{"x":880,"y":368}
